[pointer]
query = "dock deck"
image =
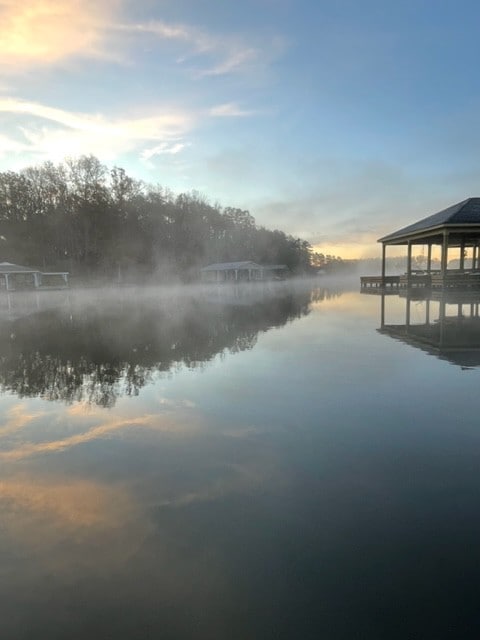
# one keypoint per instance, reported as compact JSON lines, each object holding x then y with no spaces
{"x":462,"y":280}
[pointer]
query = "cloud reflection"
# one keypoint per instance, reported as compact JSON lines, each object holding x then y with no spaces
{"x":113,"y":425}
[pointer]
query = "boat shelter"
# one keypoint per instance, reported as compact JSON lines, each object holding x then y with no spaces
{"x":14,"y":277}
{"x":457,"y":227}
{"x":232,"y":271}
{"x":244,"y":271}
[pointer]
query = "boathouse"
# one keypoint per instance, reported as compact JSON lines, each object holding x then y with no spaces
{"x":14,"y":277}
{"x":457,"y":227}
{"x":242,"y":272}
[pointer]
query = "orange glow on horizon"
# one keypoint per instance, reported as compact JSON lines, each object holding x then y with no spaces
{"x":351,"y":251}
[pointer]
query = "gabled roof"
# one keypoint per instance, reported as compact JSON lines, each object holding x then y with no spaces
{"x":8,"y":267}
{"x":463,"y":213}
{"x":227,"y":266}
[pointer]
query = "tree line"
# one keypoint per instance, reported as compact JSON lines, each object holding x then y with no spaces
{"x":81,"y":216}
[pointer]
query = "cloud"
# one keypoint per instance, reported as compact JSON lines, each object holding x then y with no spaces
{"x":219,"y":54}
{"x":105,"y":429}
{"x":47,"y":132}
{"x":39,"y":32}
{"x":73,"y":503}
{"x":17,"y":418}
{"x":164,"y":148}
{"x":235,"y":60}
{"x":229,"y":110}
{"x":55,"y":133}
{"x":53,"y":520}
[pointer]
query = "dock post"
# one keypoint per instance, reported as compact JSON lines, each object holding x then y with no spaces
{"x":409,"y":264}
{"x":384,"y":253}
{"x":444,"y":255}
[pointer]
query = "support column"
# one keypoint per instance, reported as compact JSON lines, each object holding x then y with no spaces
{"x":409,"y":263}
{"x":444,"y":253}
{"x":474,"y":256}
{"x":36,"y":281}
{"x":407,"y":314}
{"x":7,"y":284}
{"x":384,"y":254}
{"x":429,"y":258}
{"x":441,"y":320}
{"x":462,"y":255}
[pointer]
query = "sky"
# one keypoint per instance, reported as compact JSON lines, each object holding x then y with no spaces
{"x":337,"y":121}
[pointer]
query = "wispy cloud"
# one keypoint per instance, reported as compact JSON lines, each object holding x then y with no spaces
{"x":75,"y":503}
{"x":164,"y":148}
{"x":105,"y":429}
{"x":229,"y":110}
{"x":48,"y":132}
{"x":220,"y":54}
{"x":44,"y":32}
{"x":18,"y":417}
{"x":36,"y":32}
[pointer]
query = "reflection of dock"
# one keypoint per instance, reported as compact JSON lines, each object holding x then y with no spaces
{"x":458,"y":343}
{"x":449,"y":329}
{"x":22,"y":304}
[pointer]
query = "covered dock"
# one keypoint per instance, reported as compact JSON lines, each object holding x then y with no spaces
{"x":244,"y":271}
{"x":457,"y":227}
{"x":15,"y":277}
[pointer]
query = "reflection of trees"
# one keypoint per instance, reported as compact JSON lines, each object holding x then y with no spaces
{"x":98,"y":353}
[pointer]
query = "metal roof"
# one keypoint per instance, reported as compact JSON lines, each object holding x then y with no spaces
{"x":465,"y":212}
{"x":8,"y":267}
{"x":227,"y":266}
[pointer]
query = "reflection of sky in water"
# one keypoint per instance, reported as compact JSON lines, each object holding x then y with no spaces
{"x":322,"y":483}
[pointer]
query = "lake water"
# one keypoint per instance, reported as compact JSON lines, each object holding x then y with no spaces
{"x":265,"y":462}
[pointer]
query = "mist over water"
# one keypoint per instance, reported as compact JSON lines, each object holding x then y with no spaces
{"x":258,"y":461}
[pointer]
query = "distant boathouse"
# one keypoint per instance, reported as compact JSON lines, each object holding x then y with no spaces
{"x":15,"y":277}
{"x":244,"y":271}
{"x":457,"y":227}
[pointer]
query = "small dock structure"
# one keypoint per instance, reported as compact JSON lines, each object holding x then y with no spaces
{"x":457,"y":227}
{"x":243,"y":271}
{"x":15,"y":277}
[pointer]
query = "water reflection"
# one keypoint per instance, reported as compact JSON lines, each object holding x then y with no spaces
{"x":443,"y":323}
{"x":97,"y":347}
{"x":321,"y":485}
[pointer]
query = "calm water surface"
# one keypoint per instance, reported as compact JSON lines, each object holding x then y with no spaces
{"x":238,"y":464}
